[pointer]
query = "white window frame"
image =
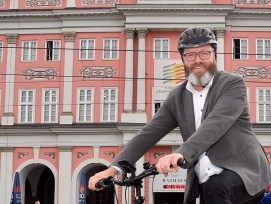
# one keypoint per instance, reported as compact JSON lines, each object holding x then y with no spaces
{"x":153,"y":105}
{"x":29,"y":51}
{"x":246,"y":54}
{"x":85,"y":102}
{"x":266,"y":54}
{"x":27,"y":104}
{"x":160,"y":54}
{"x":103,"y":89}
{"x":55,"y":50}
{"x":1,"y":51}
{"x":89,"y":49}
{"x":264,"y":103}
{"x":50,"y":104}
{"x":111,"y":50}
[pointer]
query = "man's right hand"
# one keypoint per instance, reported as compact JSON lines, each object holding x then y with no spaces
{"x":111,"y":171}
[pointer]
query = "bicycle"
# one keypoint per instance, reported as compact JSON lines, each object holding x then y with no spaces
{"x":133,"y":180}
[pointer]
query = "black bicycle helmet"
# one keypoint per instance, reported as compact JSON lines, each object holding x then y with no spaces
{"x":196,"y":37}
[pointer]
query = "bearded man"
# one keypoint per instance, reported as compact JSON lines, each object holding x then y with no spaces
{"x":225,"y":162}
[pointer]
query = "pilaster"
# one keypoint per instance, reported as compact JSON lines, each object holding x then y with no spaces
{"x":141,"y":81}
{"x":127,"y":115}
{"x":8,"y":116}
{"x":65,"y":174}
{"x":66,"y":115}
{"x":6,"y":174}
{"x":220,"y":34}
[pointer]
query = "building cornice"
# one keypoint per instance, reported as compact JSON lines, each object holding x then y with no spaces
{"x":58,"y":13}
{"x":157,"y":8}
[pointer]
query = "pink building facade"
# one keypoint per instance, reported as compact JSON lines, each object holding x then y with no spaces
{"x":78,"y":79}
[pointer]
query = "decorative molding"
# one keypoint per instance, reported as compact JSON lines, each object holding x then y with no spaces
{"x":2,"y":3}
{"x":258,"y":2}
{"x":50,"y":154}
{"x":110,"y":154}
{"x":41,"y":3}
{"x":142,"y":32}
{"x":69,"y":36}
{"x":98,"y":72}
{"x":6,"y":149}
{"x":99,"y":2}
{"x":81,"y":154}
{"x":220,"y":33}
{"x":253,"y":72}
{"x":39,"y":74}
{"x":12,"y":38}
{"x":129,"y":33}
{"x":21,"y":155}
{"x":158,"y":154}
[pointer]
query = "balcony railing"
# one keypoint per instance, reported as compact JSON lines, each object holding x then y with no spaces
{"x":174,"y":1}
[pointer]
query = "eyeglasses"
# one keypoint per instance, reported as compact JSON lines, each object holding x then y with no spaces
{"x":189,"y":57}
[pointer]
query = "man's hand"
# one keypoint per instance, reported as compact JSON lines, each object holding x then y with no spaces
{"x":111,"y":171}
{"x":168,"y":162}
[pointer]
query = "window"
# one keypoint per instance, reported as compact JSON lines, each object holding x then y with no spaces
{"x":156,"y":106}
{"x":161,"y":48}
{"x":264,"y":49}
{"x":87,"y":48}
{"x":111,"y":47}
{"x":109,"y":104}
{"x":50,"y":105}
{"x":52,"y":50}
{"x":26,"y":106}
{"x":29,"y":52}
{"x":1,"y":51}
{"x":240,"y":49}
{"x":264,"y":105}
{"x":85,"y":105}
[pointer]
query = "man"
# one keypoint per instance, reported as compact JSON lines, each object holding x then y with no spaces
{"x":225,"y":162}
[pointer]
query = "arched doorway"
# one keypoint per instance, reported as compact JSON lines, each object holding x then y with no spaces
{"x":105,"y":196}
{"x":40,"y":186}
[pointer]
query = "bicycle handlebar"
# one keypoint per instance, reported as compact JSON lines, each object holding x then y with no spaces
{"x":133,"y":180}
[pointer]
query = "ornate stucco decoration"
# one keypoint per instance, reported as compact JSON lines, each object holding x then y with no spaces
{"x":258,"y":2}
{"x":39,"y":74}
{"x":37,"y":3}
{"x":253,"y":72}
{"x":12,"y":38}
{"x":2,"y":3}
{"x":98,"y":72}
{"x":110,"y":154}
{"x":81,"y":154}
{"x":158,"y":154}
{"x":69,"y":36}
{"x":99,"y":2}
{"x":21,"y":155}
{"x":51,"y":154}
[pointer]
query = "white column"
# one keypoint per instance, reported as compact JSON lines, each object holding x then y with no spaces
{"x":70,"y":3}
{"x":220,"y":33}
{"x":14,"y":4}
{"x":6,"y":174}
{"x":8,"y":116}
{"x":65,"y":175}
{"x":66,"y":115}
{"x":141,"y":81}
{"x":127,"y":115}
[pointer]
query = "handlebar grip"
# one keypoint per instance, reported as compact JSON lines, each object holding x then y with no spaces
{"x":181,"y":163}
{"x":104,"y":182}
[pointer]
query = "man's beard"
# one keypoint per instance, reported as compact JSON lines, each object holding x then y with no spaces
{"x":201,"y":78}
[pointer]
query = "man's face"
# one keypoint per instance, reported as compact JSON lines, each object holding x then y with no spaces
{"x":199,"y":64}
